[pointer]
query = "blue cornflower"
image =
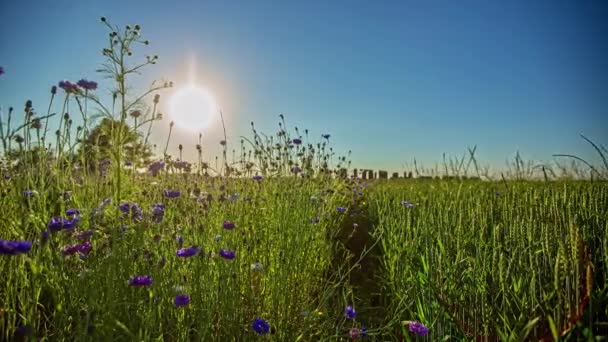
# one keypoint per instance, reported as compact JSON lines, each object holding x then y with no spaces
{"x":181,"y":300}
{"x":83,"y":249}
{"x":228,"y":225}
{"x":172,"y":193}
{"x":158,"y":212}
{"x":341,"y":209}
{"x":140,"y":281}
{"x":14,"y":247}
{"x":188,"y":252}
{"x":72,"y":212}
{"x":227,"y":254}
{"x":87,"y":85}
{"x":155,"y":167}
{"x":257,"y":177}
{"x":260,"y":326}
{"x":417,"y":328}
{"x":407,"y":204}
{"x":350,"y":312}
{"x":55,"y":224}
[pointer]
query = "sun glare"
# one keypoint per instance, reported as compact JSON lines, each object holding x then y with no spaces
{"x":192,"y":108}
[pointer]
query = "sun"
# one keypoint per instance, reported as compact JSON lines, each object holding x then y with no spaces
{"x":192,"y":108}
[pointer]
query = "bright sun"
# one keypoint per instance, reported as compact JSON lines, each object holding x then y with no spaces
{"x":192,"y":108}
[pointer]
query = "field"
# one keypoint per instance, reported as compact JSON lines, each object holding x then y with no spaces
{"x":103,"y":241}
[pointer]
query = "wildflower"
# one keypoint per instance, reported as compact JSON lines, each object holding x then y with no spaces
{"x":417,"y":328}
{"x":407,"y":204}
{"x":30,"y":193}
{"x":181,"y":300}
{"x":55,"y":224}
{"x":85,"y":235}
{"x":172,"y":193}
{"x":72,"y":212}
{"x":83,"y":249}
{"x":140,"y":281}
{"x":105,"y":203}
{"x":228,"y":225}
{"x":70,"y":224}
{"x":257,"y":266}
{"x":14,"y":247}
{"x":297,"y":141}
{"x":87,"y":85}
{"x":188,"y":252}
{"x":356,"y":333}
{"x":158,"y":212}
{"x":314,"y":220}
{"x":69,"y":87}
{"x":124,"y":207}
{"x":155,"y":167}
{"x":227,"y":254}
{"x":257,"y":177}
{"x":135,"y":114}
{"x":341,"y":209}
{"x":350,"y":312}
{"x":260,"y":326}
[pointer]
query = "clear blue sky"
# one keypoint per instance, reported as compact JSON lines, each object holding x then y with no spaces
{"x":388,"y":80}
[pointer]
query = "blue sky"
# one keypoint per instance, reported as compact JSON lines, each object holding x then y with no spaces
{"x":389,"y":80}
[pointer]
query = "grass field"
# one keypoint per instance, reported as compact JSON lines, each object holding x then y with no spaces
{"x":277,"y":245}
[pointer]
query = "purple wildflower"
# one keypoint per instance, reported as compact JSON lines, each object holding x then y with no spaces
{"x":350,"y":312}
{"x":55,"y":224}
{"x":69,"y":87}
{"x":188,"y":252}
{"x":30,"y":193}
{"x":72,"y":212}
{"x":257,"y":177}
{"x":155,"y":167}
{"x":140,"y":281}
{"x":228,"y":225}
{"x":87,"y":85}
{"x":417,"y":328}
{"x":407,"y":204}
{"x":158,"y":212}
{"x":181,"y":300}
{"x":314,"y":220}
{"x":83,"y":249}
{"x":341,"y":209}
{"x":227,"y":254}
{"x":105,"y":203}
{"x":260,"y":326}
{"x":14,"y":247}
{"x":85,"y":235}
{"x":172,"y":193}
{"x":356,"y":333}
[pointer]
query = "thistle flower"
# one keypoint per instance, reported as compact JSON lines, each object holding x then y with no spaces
{"x":350,"y":312}
{"x":227,"y":254}
{"x":228,"y":225}
{"x":260,"y":326}
{"x":172,"y":193}
{"x":14,"y":247}
{"x":140,"y":281}
{"x":87,"y":85}
{"x":188,"y":252}
{"x":181,"y":300}
{"x":417,"y":328}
